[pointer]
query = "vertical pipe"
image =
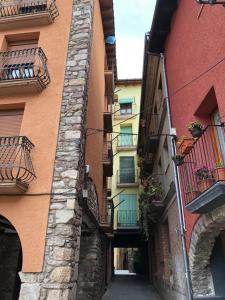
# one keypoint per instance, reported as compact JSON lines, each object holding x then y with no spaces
{"x":178,"y":191}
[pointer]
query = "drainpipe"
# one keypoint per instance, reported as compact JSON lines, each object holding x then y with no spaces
{"x":177,"y":186}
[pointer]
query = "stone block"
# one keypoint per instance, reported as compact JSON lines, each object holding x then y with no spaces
{"x":64,"y":216}
{"x":61,"y":275}
{"x":60,"y":253}
{"x":30,"y":291}
{"x":71,"y":135}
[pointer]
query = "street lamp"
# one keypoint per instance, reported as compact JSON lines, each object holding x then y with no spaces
{"x":211,"y":2}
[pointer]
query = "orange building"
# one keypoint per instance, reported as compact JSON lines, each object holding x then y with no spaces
{"x":56,"y":88}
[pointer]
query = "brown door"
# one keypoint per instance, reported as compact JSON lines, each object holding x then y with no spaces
{"x":10,"y":122}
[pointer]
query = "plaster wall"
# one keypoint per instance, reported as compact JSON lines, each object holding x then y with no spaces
{"x":29,"y":214}
{"x":96,"y":107}
{"x":194,"y":46}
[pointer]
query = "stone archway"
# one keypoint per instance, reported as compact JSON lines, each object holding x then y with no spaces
{"x":10,"y":261}
{"x":206,"y":230}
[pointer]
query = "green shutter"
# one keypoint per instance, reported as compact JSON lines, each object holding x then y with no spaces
{"x":127,"y":172}
{"x":126,"y":138}
{"x":126,"y":100}
{"x":127,"y":214}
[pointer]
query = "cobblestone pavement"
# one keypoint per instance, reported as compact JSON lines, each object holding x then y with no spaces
{"x":130,"y":288}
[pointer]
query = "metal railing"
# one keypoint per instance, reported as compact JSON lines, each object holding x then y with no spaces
{"x":24,"y":64}
{"x":127,"y":176}
{"x":127,"y":218}
{"x":15,"y":159}
{"x":126,"y":140}
{"x":12,"y":8}
{"x":107,"y":152}
{"x":204,"y":165}
{"x":119,"y":113}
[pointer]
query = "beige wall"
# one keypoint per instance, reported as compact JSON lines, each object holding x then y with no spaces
{"x":96,"y":105}
{"x":29,"y":214}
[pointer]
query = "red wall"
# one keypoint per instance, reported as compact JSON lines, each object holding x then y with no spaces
{"x":196,"y":43}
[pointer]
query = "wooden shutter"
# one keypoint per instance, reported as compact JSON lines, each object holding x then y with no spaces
{"x":10,"y":122}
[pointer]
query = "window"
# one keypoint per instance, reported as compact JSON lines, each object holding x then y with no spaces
{"x":127,"y":214}
{"x":20,"y":64}
{"x":126,"y":138}
{"x":33,"y":8}
{"x":166,"y":157}
{"x":126,"y":109}
{"x":127,"y":172}
{"x":10,"y":122}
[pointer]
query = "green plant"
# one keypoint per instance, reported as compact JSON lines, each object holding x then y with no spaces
{"x":202,"y":172}
{"x":194,"y":125}
{"x":219,"y":164}
{"x":178,"y":159}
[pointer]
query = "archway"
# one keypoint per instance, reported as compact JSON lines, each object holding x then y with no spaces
{"x":10,"y":261}
{"x":206,"y":243}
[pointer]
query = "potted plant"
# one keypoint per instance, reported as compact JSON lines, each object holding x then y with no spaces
{"x":184,"y":145}
{"x":204,"y":178}
{"x":191,"y":194}
{"x":219,"y":172}
{"x":178,"y":159}
{"x":195,"y":129}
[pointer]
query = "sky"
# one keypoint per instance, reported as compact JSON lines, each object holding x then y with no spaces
{"x":132,"y":20}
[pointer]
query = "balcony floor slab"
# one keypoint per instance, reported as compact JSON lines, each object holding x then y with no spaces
{"x":208,"y":200}
{"x":12,"y":187}
{"x":18,"y":86}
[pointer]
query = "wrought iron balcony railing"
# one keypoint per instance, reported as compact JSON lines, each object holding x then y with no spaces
{"x":127,"y":177}
{"x":15,"y":8}
{"x":24,"y":65}
{"x":118,"y":113}
{"x":108,"y":158}
{"x":126,"y":141}
{"x":127,"y":218}
{"x":15,"y":160}
{"x":202,"y":169}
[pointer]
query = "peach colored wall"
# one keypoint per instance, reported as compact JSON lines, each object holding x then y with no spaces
{"x":29,"y":214}
{"x":96,"y":104}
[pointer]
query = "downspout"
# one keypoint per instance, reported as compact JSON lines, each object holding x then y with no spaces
{"x":177,"y":186}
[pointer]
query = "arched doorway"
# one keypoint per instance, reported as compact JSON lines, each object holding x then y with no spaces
{"x":207,"y":254}
{"x":10,"y":261}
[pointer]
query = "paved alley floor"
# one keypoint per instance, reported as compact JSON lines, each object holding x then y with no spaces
{"x":126,"y":287}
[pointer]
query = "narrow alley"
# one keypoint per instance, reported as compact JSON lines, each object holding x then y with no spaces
{"x":130,"y":287}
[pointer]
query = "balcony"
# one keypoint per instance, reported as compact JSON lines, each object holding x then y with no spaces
{"x":127,"y":219}
{"x":124,"y":114}
{"x":126,"y":142}
{"x":127,"y":178}
{"x":23,"y":71}
{"x":108,"y":119}
{"x":26,"y":13}
{"x":153,"y":140}
{"x":16,"y":169}
{"x":202,"y":172}
{"x":108,"y":159}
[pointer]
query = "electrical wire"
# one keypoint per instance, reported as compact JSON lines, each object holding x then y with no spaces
{"x":172,"y":94}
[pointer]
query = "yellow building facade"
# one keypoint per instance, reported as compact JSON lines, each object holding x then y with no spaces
{"x":125,"y":181}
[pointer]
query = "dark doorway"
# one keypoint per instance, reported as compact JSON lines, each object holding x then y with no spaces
{"x":217,"y":265}
{"x":10,"y":261}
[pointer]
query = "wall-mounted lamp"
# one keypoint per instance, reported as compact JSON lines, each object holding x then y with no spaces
{"x":211,"y":2}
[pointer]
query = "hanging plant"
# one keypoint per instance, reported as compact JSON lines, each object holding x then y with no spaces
{"x":178,"y":159}
{"x":195,"y":128}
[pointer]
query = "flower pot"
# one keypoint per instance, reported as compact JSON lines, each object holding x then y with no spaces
{"x":205,"y":184}
{"x":219,"y":174}
{"x":185,"y":146}
{"x":190,"y":196}
{"x":196,"y":132}
{"x":178,"y":160}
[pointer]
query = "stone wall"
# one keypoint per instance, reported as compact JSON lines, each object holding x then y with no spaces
{"x":206,"y":230}
{"x":91,"y":267}
{"x":58,"y":280}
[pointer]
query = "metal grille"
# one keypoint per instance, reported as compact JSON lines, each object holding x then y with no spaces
{"x":204,"y":165}
{"x":24,"y":64}
{"x":15,"y":160}
{"x":10,"y":8}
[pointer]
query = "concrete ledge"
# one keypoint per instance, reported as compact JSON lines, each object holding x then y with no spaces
{"x":208,"y":200}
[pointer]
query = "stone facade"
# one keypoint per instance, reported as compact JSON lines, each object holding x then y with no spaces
{"x":206,"y":230}
{"x":58,"y":280}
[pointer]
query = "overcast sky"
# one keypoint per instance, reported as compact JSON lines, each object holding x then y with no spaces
{"x":132,"y":20}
